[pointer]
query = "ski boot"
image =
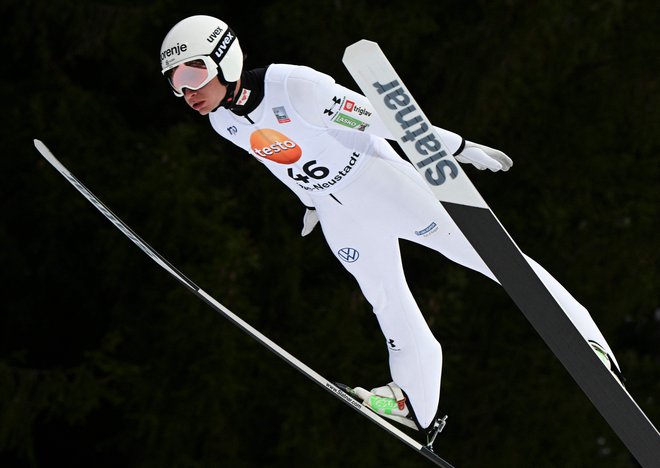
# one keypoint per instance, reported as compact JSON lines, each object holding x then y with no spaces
{"x":390,"y":402}
{"x":387,"y":401}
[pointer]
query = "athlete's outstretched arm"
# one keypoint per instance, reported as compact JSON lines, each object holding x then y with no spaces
{"x":326,"y":104}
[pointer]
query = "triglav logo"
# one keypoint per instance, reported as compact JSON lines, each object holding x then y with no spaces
{"x":273,"y":145}
{"x":348,"y":254}
{"x":349,"y":106}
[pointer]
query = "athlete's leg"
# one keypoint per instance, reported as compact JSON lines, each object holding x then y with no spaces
{"x":439,"y":232}
{"x":373,"y":258}
{"x":434,"y":228}
{"x":578,"y":314}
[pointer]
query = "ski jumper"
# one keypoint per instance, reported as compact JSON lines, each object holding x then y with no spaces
{"x":327,"y":145}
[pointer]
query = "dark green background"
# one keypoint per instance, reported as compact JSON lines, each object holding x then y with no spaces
{"x":105,"y":361}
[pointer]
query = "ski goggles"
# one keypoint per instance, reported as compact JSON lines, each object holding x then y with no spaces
{"x":191,"y":74}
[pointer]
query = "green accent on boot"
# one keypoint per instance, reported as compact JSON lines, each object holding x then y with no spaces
{"x":383,"y":405}
{"x":601,"y":353}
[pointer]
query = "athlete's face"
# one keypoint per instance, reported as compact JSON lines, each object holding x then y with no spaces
{"x":206,"y":98}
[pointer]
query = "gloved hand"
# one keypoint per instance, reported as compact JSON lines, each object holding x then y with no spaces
{"x":310,"y":220}
{"x":483,"y":157}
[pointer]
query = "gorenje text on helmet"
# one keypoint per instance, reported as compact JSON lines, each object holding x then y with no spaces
{"x":178,"y":49}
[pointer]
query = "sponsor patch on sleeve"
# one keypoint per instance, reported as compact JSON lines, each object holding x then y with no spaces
{"x":350,"y":122}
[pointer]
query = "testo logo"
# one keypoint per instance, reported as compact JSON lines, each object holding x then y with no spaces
{"x":273,"y":145}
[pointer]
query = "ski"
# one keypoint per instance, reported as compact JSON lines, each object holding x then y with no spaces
{"x":328,"y":385}
{"x":394,"y":103}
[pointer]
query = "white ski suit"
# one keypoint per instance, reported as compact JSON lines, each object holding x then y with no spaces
{"x":326,"y":144}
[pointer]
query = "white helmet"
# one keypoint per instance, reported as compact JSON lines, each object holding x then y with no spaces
{"x":202,"y":36}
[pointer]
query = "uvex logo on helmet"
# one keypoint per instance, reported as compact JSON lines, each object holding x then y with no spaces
{"x":225,"y":42}
{"x":216,"y":32}
{"x":273,"y":145}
